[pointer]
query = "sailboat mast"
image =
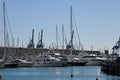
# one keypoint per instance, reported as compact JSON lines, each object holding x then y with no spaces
{"x":56,"y":37}
{"x":63,"y":36}
{"x":70,"y":45}
{"x":4,"y":24}
{"x":71,"y":26}
{"x":71,"y":19}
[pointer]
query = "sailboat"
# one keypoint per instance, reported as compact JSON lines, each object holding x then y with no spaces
{"x":73,"y":59}
{"x":3,"y":62}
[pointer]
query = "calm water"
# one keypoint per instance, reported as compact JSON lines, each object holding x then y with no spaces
{"x":55,"y":73}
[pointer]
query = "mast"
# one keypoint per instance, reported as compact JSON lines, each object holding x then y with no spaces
{"x":18,"y":42}
{"x":70,"y":44}
{"x":71,"y":25}
{"x":63,"y":36}
{"x":4,"y":24}
{"x":56,"y":37}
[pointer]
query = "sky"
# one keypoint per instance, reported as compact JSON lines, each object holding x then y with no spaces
{"x":98,"y":21}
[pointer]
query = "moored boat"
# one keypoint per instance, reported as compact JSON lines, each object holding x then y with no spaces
{"x":46,"y":60}
{"x":10,"y":65}
{"x":93,"y":60}
{"x":23,"y":63}
{"x":112,"y":66}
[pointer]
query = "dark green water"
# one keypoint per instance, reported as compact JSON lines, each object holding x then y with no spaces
{"x":56,"y":73}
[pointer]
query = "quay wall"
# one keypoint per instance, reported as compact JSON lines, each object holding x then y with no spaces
{"x":19,"y":52}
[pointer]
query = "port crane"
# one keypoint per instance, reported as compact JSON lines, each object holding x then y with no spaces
{"x":31,"y":42}
{"x":70,"y":45}
{"x":40,"y":43}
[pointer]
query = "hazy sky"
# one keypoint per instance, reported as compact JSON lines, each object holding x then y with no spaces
{"x":98,"y":21}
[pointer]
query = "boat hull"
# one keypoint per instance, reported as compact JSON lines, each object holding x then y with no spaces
{"x":52,"y":64}
{"x":25,"y":64}
{"x":10,"y":65}
{"x":94,"y":63}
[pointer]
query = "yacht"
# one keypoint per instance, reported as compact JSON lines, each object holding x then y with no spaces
{"x":47,"y":60}
{"x":78,"y":62}
{"x":93,"y":60}
{"x":23,"y":63}
{"x":9,"y":65}
{"x":59,"y":56}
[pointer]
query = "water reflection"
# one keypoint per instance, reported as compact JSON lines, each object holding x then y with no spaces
{"x":56,"y":73}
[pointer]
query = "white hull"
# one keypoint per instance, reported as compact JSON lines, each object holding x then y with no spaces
{"x":93,"y":60}
{"x":52,"y":64}
{"x":23,"y":63}
{"x":94,"y":63}
{"x":48,"y":60}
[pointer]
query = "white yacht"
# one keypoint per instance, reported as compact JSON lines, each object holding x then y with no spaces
{"x":47,"y":60}
{"x":93,"y":60}
{"x":23,"y":63}
{"x":59,"y":56}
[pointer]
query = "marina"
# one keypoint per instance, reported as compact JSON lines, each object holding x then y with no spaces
{"x":61,"y":59}
{"x":41,"y":56}
{"x":45,"y":56}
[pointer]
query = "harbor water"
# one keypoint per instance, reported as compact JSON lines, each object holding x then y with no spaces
{"x":56,"y":73}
